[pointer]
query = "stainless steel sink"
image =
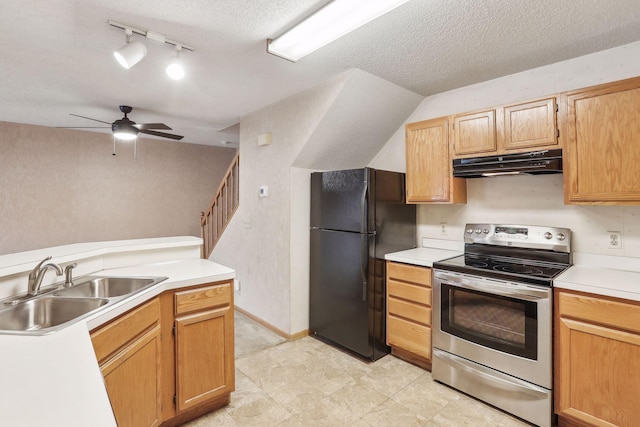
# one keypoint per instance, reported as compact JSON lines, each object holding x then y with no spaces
{"x":46,"y":312}
{"x":108,"y":287}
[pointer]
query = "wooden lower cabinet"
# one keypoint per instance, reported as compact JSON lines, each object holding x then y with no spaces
{"x":204,"y":345}
{"x":597,"y":362}
{"x":128,"y":351}
{"x":171,"y":359}
{"x":409,"y":312}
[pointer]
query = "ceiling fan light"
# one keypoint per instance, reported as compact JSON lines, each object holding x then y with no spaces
{"x":175,"y":70}
{"x":125,"y":136}
{"x":124,"y":130}
{"x":130,"y":54}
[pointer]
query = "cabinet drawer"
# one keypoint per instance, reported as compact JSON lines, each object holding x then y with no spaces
{"x":203,"y":298}
{"x":110,"y":338}
{"x":409,"y":336}
{"x":409,"y":273}
{"x":417,"y":313}
{"x":600,"y":310}
{"x":409,"y":292}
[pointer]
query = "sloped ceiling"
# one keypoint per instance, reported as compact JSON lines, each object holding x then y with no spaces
{"x":56,"y":55}
{"x":362,"y":118}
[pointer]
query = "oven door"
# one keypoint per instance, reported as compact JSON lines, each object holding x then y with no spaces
{"x":502,"y":325}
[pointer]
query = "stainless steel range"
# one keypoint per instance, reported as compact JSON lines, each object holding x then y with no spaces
{"x":492,"y":318}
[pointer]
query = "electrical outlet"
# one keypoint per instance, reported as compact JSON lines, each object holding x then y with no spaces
{"x":615,"y":239}
{"x":443,"y":228}
{"x":236,"y":285}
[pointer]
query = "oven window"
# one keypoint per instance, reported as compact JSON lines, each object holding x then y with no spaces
{"x":501,"y":323}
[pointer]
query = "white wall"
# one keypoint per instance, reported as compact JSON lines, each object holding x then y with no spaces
{"x":527,"y":199}
{"x":261,"y":255}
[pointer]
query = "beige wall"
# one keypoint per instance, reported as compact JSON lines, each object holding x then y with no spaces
{"x":63,"y":186}
{"x":535,"y":200}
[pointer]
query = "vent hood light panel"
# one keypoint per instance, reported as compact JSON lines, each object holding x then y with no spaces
{"x":532,"y":163}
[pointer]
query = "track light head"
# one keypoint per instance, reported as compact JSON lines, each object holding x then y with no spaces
{"x":175,"y":70}
{"x":131,"y":53}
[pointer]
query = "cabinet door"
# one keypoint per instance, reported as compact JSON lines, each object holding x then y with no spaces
{"x":204,"y":357}
{"x":475,"y":133}
{"x":530,"y":125}
{"x":429,"y":175}
{"x":597,"y":374}
{"x":603,"y":154}
{"x":132,"y":379}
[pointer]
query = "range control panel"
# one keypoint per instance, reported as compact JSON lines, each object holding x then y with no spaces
{"x":526,"y":236}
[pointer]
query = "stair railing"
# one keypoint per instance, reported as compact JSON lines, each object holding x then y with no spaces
{"x":221,"y":208}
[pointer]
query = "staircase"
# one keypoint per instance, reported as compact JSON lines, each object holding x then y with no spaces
{"x":221,"y":209}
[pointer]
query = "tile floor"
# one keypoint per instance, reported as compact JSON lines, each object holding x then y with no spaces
{"x":307,"y":383}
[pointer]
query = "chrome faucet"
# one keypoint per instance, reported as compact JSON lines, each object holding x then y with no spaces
{"x":37,"y":274}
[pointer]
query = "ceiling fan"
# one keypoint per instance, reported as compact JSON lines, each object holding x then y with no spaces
{"x":127,"y":129}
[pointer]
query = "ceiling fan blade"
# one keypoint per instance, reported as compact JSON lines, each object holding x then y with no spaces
{"x":83,"y":127}
{"x":145,"y":126}
{"x":89,"y":118}
{"x":162,"y":134}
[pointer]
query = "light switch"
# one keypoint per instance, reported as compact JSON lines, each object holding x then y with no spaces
{"x":263,"y":191}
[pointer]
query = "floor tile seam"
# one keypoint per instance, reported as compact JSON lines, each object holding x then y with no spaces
{"x":408,"y":384}
{"x":244,"y":356}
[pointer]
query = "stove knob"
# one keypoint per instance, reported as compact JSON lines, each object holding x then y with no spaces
{"x":560,"y":236}
{"x":548,"y":235}
{"x":478,"y":231}
{"x":469,"y":230}
{"x":485,"y":231}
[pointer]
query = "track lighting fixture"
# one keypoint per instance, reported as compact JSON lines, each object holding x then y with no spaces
{"x":175,"y":70}
{"x":133,"y":52}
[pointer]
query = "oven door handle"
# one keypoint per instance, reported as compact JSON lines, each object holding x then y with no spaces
{"x":481,"y":285}
{"x":503,"y":381}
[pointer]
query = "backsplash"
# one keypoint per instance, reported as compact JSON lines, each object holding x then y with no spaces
{"x":534,"y":200}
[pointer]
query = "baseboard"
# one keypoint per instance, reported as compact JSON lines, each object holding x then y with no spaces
{"x":289,"y":337}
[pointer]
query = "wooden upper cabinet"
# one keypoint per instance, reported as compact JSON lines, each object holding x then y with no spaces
{"x":475,"y":133}
{"x":429,"y":175}
{"x":530,"y":125}
{"x":521,"y":127}
{"x":602,"y":158}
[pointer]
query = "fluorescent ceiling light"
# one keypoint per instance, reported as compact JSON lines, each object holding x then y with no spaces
{"x":333,"y":21}
{"x":130,"y":54}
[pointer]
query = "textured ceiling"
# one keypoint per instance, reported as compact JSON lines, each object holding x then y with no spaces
{"x":56,"y":55}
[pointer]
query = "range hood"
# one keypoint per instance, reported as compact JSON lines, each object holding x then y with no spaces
{"x":532,"y":163}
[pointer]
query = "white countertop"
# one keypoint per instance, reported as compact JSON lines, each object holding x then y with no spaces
{"x":25,"y":261}
{"x":54,"y":379}
{"x":603,"y":275}
{"x":421,"y":256}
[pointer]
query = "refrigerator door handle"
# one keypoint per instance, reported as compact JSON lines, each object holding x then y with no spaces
{"x":364,"y":263}
{"x":364,"y":225}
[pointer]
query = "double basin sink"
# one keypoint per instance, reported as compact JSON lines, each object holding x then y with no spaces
{"x":55,"y":308}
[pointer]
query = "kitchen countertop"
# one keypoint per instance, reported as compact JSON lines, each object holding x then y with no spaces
{"x":55,"y":379}
{"x":422,"y":256}
{"x":602,"y":275}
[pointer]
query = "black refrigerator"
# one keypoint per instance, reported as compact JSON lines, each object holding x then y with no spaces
{"x":357,"y":216}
